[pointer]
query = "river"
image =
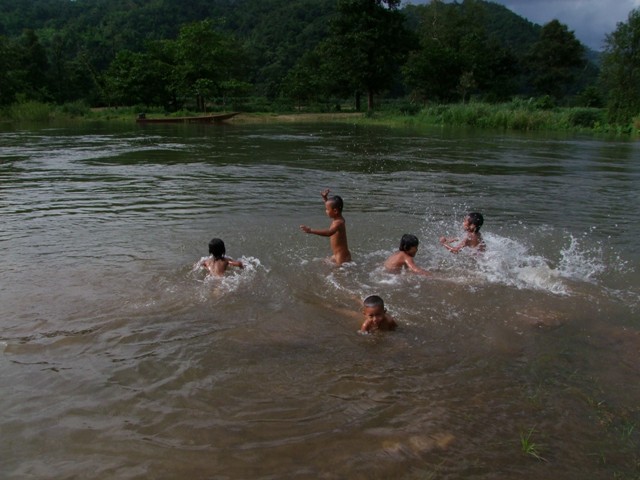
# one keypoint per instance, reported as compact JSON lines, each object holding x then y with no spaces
{"x":119,"y":359}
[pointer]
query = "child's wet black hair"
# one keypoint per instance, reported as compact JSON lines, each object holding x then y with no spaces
{"x":336,"y":202}
{"x":373,"y":301}
{"x":216,"y":248}
{"x":408,"y":241}
{"x":476,"y":218}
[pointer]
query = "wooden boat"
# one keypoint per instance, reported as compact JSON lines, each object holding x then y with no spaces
{"x":216,"y":118}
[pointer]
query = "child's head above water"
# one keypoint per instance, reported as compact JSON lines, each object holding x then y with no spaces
{"x":408,"y":241}
{"x":476,"y":219}
{"x":216,"y":248}
{"x":373,"y":301}
{"x":336,"y":202}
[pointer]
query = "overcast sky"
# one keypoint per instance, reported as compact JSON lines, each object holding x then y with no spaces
{"x":590,"y":20}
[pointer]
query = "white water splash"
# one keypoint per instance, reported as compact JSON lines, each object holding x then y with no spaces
{"x":511,"y":263}
{"x":234,"y":277}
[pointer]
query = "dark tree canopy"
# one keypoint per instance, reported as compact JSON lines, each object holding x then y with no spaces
{"x":186,"y":53}
{"x":555,"y":59}
{"x":366,"y":45}
{"x":621,"y":69}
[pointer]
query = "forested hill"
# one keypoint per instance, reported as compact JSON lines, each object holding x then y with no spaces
{"x":129,"y":23}
{"x":66,"y":50}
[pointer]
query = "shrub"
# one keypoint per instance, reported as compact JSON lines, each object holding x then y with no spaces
{"x":29,"y":111}
{"x":79,"y":108}
{"x":585,"y":117}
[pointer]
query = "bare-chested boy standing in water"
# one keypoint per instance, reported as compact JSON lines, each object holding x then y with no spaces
{"x":337,"y":231}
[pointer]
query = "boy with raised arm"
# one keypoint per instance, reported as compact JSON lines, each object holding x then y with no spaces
{"x":337,"y":231}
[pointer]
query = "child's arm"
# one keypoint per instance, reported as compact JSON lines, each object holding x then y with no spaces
{"x":457,"y":248}
{"x":333,"y":228}
{"x":325,"y":194}
{"x":411,"y":265}
{"x":235,"y":263}
{"x":366,"y":326}
{"x":445,"y":240}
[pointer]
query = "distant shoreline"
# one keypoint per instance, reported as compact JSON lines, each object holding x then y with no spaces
{"x":515,"y":116}
{"x":294,"y":117}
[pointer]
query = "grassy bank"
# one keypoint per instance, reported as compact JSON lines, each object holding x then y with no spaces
{"x":518,"y":115}
{"x":515,"y":116}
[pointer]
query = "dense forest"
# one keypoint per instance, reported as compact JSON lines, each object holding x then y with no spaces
{"x":197,"y":54}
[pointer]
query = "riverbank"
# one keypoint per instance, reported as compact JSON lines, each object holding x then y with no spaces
{"x":518,"y":115}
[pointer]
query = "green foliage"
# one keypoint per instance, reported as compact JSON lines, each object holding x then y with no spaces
{"x":78,"y":108}
{"x":29,"y":111}
{"x":138,"y":78}
{"x":457,"y":56}
{"x":307,"y":54}
{"x":620,"y":72}
{"x":591,"y":97}
{"x":522,"y":115}
{"x":529,"y":447}
{"x":586,"y":117}
{"x":366,"y":45}
{"x":545,"y":102}
{"x":554,"y":60}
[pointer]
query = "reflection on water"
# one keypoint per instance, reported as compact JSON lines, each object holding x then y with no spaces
{"x":121,"y":360}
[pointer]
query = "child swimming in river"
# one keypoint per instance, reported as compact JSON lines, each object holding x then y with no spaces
{"x":403,"y":258}
{"x":217,"y":263}
{"x":376,"y":316}
{"x":472,"y":239}
{"x":337,"y":231}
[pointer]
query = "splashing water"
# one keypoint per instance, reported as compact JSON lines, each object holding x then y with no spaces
{"x":509,"y":262}
{"x":234,"y":278}
{"x":580,"y":264}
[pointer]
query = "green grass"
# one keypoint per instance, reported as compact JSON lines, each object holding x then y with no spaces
{"x":529,"y":447}
{"x":28,"y":111}
{"x":518,"y":115}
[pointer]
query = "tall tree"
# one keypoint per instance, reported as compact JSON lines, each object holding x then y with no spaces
{"x":138,"y":79}
{"x":204,"y":59}
{"x":366,"y":45}
{"x":555,"y":59}
{"x":10,"y":83}
{"x":457,"y":56}
{"x":620,"y":71}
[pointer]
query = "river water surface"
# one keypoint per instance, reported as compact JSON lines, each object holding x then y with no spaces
{"x":120,"y":360}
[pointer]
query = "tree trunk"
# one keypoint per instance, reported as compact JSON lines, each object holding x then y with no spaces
{"x":370,"y":101}
{"x":357,"y":101}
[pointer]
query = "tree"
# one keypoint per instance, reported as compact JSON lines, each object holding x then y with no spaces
{"x":9,"y":61}
{"x":620,"y":71}
{"x":203,"y":59}
{"x":554,"y":60}
{"x":305,"y":81}
{"x":138,"y":79}
{"x":35,"y":65}
{"x":366,"y":45}
{"x":457,"y":56}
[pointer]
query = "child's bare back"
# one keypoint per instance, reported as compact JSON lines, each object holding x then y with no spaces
{"x":218,"y":263}
{"x":217,"y":267}
{"x":403,"y":258}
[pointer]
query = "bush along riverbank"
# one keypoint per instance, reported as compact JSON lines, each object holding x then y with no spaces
{"x":518,"y":115}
